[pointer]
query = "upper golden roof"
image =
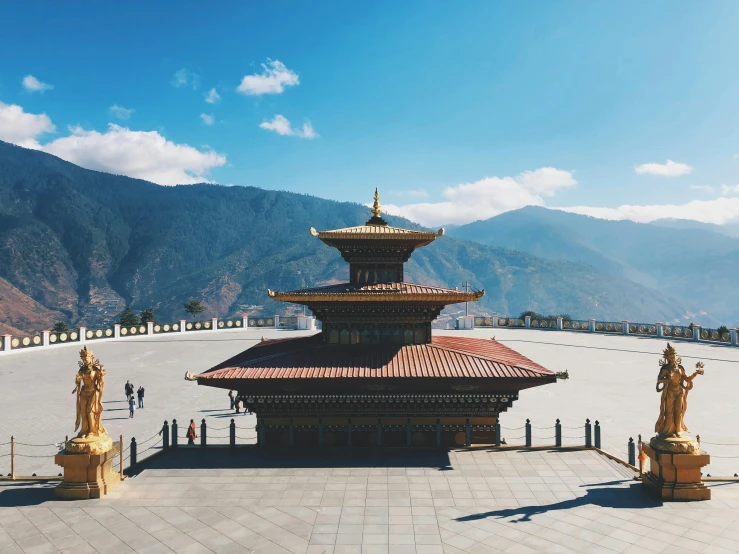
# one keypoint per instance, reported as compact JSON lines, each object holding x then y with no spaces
{"x":375,"y":228}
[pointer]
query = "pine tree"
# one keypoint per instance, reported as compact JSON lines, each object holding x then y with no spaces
{"x":194,"y":308}
{"x":128,"y":318}
{"x":61,"y":327}
{"x":147,"y":315}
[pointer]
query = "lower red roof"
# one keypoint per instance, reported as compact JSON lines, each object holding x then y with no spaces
{"x":311,"y":358}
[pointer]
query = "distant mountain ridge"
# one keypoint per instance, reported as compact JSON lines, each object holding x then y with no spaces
{"x":687,"y":260}
{"x":81,"y":245}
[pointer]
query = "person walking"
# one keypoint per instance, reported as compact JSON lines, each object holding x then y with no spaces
{"x":238,"y":406}
{"x":232,"y":396}
{"x":129,"y":390}
{"x":191,"y":434}
{"x":131,"y":406}
{"x":140,"y":394}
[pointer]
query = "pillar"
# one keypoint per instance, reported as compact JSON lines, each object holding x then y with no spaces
{"x":527,"y":322}
{"x":6,"y":342}
{"x":277,"y":321}
{"x":660,"y":332}
{"x":149,"y":327}
{"x":116,"y":330}
{"x":244,"y":321}
{"x":495,"y":320}
{"x":560,"y":323}
{"x":733,"y":333}
{"x":45,"y":335}
{"x":625,"y":327}
{"x":83,"y":334}
{"x":183,"y":325}
{"x":214,"y":323}
{"x":696,"y":332}
{"x":591,"y":325}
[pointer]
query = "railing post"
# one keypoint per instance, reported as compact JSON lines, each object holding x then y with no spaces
{"x":632,"y":453}
{"x":116,"y":330}
{"x":495,"y":320}
{"x":438,"y":432}
{"x":588,"y":434}
{"x":497,"y":433}
{"x":349,"y":432}
{"x":528,"y":433}
{"x":134,"y":454}
{"x":82,"y":334}
{"x":291,"y":434}
{"x":408,"y":432}
{"x":591,"y":325}
{"x":232,"y":433}
{"x":165,"y":435}
{"x":560,"y":323}
{"x":732,"y":335}
{"x":183,"y":325}
{"x":527,"y":321}
{"x":467,"y":433}
{"x":120,"y":457}
{"x":214,"y":324}
{"x":12,"y":458}
{"x":149,"y":327}
{"x":320,"y":433}
{"x":203,"y":431}
{"x":696,"y":333}
{"x":379,"y":432}
{"x":45,"y":338}
{"x":174,"y":433}
{"x":558,"y":434}
{"x":597,"y":434}
{"x":244,"y":322}
{"x":625,"y":327}
{"x":660,"y":330}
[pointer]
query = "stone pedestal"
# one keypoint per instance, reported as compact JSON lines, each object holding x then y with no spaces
{"x":674,"y":476}
{"x":87,"y":475}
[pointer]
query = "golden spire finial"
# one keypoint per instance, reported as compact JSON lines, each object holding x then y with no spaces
{"x":376,"y":211}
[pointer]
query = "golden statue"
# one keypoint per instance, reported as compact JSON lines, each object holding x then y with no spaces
{"x":674,"y":384}
{"x":89,"y":385}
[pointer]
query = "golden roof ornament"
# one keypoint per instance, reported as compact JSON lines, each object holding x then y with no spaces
{"x":376,"y":210}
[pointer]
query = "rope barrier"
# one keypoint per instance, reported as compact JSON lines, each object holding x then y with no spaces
{"x":513,"y":438}
{"x":28,"y":444}
{"x":719,"y":443}
{"x":149,"y":439}
{"x":544,"y":428}
{"x":512,"y":428}
{"x":724,"y":457}
{"x":32,"y":455}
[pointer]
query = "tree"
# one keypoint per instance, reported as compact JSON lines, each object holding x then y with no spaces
{"x":194,"y":308}
{"x":147,"y":315}
{"x":61,"y":327}
{"x":128,"y":318}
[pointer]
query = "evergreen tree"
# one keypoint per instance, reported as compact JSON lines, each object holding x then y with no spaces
{"x":147,"y":315}
{"x":194,"y":308}
{"x":61,"y":327}
{"x":128,"y":318}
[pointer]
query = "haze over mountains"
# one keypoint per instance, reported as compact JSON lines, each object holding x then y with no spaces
{"x":79,"y":245}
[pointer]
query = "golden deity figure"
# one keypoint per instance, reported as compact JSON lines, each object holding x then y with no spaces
{"x":89,"y":385}
{"x":674,"y":384}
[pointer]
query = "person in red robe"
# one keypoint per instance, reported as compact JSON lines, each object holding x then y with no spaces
{"x":191,"y":434}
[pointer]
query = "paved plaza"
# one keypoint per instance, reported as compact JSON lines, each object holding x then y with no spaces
{"x":612,"y":380}
{"x":391,"y":501}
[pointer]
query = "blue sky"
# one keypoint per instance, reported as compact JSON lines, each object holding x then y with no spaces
{"x":456,"y":111}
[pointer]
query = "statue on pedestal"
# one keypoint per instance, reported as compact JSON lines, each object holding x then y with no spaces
{"x":675,"y":458}
{"x":87,"y":459}
{"x":89,"y":385}
{"x":674,"y":384}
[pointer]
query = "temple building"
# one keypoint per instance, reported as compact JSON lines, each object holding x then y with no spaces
{"x":375,"y":375}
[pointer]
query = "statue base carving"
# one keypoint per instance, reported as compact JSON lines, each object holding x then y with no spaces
{"x":87,"y":474}
{"x":677,"y":445}
{"x":89,"y":445}
{"x":675,"y":476}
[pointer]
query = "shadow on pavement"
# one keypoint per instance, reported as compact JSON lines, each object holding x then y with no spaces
{"x":15,"y":494}
{"x":251,"y":457}
{"x":606,"y":495}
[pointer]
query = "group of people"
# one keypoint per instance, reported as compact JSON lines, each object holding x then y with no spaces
{"x":130,"y":397}
{"x":236,"y":402}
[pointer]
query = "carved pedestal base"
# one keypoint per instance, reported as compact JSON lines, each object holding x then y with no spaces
{"x":87,"y":475}
{"x":676,"y":476}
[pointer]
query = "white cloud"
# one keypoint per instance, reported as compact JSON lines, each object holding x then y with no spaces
{"x":719,"y":211}
{"x":282,"y":126}
{"x":707,"y":188}
{"x":488,"y":197}
{"x":120,"y":112}
{"x":142,"y":154}
{"x":208,"y":119}
{"x":727,"y":190}
{"x":22,"y":128}
{"x":272,"y":80}
{"x":667,"y":169}
{"x":212,"y":97}
{"x":31,"y":84}
{"x":185,"y":78}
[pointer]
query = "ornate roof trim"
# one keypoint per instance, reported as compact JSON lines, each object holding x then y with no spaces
{"x":383,"y":292}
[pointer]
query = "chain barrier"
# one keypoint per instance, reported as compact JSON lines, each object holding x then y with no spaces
{"x":719,"y":443}
{"x":28,"y":444}
{"x":512,"y":428}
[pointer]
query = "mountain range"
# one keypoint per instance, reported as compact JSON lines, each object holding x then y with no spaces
{"x":80,"y":245}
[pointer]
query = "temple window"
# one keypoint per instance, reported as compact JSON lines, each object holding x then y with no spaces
{"x":408,"y":337}
{"x":344,"y":337}
{"x":355,"y":337}
{"x":420,"y":337}
{"x":333,"y":336}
